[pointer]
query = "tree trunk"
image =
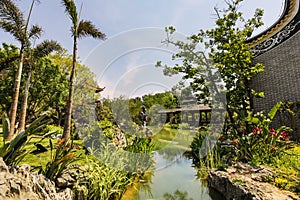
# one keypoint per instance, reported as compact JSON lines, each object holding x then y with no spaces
{"x":24,"y":103}
{"x":67,"y":125}
{"x":15,"y":98}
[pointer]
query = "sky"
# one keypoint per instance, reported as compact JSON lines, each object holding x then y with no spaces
{"x":124,"y":62}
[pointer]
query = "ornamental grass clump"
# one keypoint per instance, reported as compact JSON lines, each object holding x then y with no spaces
{"x":104,"y":182}
{"x":61,"y":157}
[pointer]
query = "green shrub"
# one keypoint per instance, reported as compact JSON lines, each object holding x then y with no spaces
{"x":201,"y":152}
{"x":101,"y":182}
{"x":184,"y":126}
{"x":286,"y":165}
{"x":55,"y":130}
{"x":262,"y":144}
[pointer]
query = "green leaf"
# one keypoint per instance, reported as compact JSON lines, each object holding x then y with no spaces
{"x":274,"y":110}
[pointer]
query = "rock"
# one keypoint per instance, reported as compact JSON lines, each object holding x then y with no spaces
{"x":66,"y":180}
{"x":3,"y":166}
{"x":242,"y":181}
{"x":20,"y":183}
{"x":70,"y":177}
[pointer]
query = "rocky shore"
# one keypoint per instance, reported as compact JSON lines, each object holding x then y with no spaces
{"x":242,"y":181}
{"x":19,"y":183}
{"x":239,"y":181}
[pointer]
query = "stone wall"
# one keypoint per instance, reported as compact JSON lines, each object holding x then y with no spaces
{"x":281,"y":78}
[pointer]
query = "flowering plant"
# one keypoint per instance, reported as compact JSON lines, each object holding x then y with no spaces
{"x":261,"y":144}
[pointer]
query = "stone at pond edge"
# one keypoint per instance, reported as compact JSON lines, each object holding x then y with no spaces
{"x":242,"y":181}
{"x":20,"y":183}
{"x":3,"y":166}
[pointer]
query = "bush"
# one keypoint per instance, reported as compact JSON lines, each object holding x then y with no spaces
{"x":61,"y":157}
{"x":262,"y":144}
{"x":55,"y":130}
{"x":101,"y":182}
{"x":184,"y":126}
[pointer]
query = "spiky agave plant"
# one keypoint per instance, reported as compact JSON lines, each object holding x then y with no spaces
{"x":14,"y":151}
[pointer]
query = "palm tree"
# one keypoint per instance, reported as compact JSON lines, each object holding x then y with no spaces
{"x":13,"y":22}
{"x":40,"y":51}
{"x":79,"y":29}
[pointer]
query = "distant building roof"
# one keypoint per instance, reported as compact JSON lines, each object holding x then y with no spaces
{"x":199,"y":107}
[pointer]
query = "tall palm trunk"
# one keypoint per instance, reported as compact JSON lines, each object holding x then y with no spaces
{"x":14,"y":104}
{"x":25,"y":97}
{"x":24,"y":103}
{"x":80,"y":28}
{"x":15,"y":97}
{"x":68,"y":118}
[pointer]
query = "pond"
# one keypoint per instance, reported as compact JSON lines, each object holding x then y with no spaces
{"x":174,"y":175}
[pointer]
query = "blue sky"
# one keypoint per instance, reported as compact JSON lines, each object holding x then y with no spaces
{"x":124,"y":63}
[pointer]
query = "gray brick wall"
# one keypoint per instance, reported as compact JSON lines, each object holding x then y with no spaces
{"x":281,"y":79}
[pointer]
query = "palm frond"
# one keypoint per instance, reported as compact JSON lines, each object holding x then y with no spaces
{"x":11,"y":13}
{"x":86,"y":28}
{"x":11,"y":20}
{"x":46,"y":47}
{"x":14,"y":31}
{"x":71,"y":10}
{"x":35,"y":32}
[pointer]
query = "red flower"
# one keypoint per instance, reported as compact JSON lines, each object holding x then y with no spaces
{"x":272,"y":132}
{"x":284,"y":136}
{"x":256,"y":130}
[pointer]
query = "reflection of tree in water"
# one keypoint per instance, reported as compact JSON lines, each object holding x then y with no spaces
{"x":178,"y":195}
{"x":170,"y":153}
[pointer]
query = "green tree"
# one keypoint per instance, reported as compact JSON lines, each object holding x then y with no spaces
{"x":84,"y":87}
{"x":13,"y":22}
{"x":48,"y":91}
{"x":8,"y":63}
{"x":79,"y":29}
{"x":84,"y":99}
{"x":41,"y":50}
{"x":8,"y":56}
{"x":226,"y":49}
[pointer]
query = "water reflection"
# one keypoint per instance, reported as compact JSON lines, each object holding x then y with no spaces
{"x":173,"y":178}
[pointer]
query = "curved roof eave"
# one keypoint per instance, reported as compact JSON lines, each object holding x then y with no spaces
{"x":286,"y":26}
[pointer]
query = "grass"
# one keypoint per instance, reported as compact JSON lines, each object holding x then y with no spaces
{"x":42,"y":159}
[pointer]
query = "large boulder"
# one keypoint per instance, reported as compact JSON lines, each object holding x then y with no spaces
{"x":242,"y":181}
{"x":19,"y":183}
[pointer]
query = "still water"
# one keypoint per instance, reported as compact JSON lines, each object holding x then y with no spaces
{"x":173,"y":176}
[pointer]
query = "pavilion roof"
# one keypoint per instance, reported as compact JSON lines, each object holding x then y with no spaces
{"x":199,"y":107}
